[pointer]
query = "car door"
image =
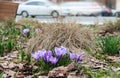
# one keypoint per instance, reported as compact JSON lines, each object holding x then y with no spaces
{"x":31,"y":7}
{"x":43,"y":8}
{"x":37,"y":8}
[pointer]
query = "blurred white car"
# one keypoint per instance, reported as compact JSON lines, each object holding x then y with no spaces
{"x":116,"y":12}
{"x":19,"y":2}
{"x":84,"y":8}
{"x":39,"y":7}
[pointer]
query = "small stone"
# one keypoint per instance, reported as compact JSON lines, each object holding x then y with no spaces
{"x":59,"y":72}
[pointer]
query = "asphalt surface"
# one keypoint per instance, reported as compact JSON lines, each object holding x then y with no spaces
{"x":88,"y":20}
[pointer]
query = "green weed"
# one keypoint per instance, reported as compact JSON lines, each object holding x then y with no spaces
{"x":109,"y":44}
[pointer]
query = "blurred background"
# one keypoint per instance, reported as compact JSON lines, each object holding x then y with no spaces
{"x":102,"y":9}
{"x":113,"y":4}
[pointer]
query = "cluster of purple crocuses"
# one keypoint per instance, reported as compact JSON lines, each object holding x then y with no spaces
{"x":49,"y":57}
{"x":26,"y":31}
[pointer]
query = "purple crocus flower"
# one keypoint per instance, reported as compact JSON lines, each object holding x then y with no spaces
{"x":42,"y":53}
{"x":53,"y":60}
{"x":36,"y":55}
{"x":38,"y":30}
{"x":26,"y":31}
{"x":47,"y":56}
{"x":39,"y":54}
{"x":79,"y":58}
{"x":49,"y":53}
{"x":72,"y":56}
{"x":60,"y":51}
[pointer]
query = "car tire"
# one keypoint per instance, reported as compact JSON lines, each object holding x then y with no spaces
{"x":25,"y":14}
{"x":33,"y":16}
{"x":55,"y":14}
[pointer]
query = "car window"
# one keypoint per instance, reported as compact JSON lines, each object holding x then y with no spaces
{"x":36,"y":3}
{"x":82,"y":5}
{"x":50,"y":3}
{"x":69,"y":4}
{"x":76,"y":4}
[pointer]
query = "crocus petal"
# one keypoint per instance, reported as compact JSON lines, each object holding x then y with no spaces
{"x":53,"y":60}
{"x":79,"y":58}
{"x":64,"y":50}
{"x":72,"y":56}
{"x":60,"y":51}
{"x":42,"y":53}
{"x":47,"y":56}
{"x":49,"y":53}
{"x":36,"y":56}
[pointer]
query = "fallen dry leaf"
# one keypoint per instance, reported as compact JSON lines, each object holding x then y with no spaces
{"x":19,"y":76}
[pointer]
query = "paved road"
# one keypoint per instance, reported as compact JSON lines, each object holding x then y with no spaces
{"x":80,"y":20}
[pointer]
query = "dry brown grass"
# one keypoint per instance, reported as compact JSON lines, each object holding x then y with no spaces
{"x":29,"y":22}
{"x":70,"y":35}
{"x":109,"y":28}
{"x":112,"y":26}
{"x":8,"y":23}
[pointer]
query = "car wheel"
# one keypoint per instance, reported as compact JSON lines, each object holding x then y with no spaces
{"x":55,"y":14}
{"x":25,"y":14}
{"x":78,"y":14}
{"x":33,"y":16}
{"x":104,"y":14}
{"x":116,"y":14}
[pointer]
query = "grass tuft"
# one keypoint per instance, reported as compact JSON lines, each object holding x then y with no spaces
{"x":70,"y":35}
